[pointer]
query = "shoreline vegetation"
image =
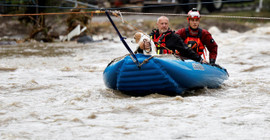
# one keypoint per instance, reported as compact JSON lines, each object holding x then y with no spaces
{"x":13,"y":29}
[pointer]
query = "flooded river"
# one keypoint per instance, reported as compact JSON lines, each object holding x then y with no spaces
{"x":56,"y":91}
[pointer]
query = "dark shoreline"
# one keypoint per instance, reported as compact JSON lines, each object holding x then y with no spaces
{"x":12,"y":29}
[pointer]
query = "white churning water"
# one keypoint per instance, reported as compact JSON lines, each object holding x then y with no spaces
{"x":56,"y":91}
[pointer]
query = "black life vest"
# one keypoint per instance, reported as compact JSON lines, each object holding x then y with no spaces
{"x":160,"y":42}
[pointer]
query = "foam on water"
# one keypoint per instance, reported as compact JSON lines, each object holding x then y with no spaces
{"x":45,"y":96}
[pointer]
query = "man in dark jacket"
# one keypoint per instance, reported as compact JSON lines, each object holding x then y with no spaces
{"x":167,"y":42}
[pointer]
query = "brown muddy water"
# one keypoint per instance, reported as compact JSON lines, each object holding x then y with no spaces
{"x":56,"y":91}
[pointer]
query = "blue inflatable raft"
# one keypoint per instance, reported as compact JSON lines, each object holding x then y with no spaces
{"x":165,"y":75}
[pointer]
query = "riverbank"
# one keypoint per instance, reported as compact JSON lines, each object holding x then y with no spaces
{"x":12,"y":29}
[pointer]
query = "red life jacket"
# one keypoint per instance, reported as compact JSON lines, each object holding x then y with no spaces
{"x":194,"y":42}
{"x":160,"y":43}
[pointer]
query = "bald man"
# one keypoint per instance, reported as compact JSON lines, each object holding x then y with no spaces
{"x":167,"y":42}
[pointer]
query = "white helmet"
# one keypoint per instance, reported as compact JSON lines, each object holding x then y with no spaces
{"x":194,"y":13}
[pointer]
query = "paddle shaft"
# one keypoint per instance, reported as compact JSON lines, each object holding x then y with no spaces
{"x":123,"y":40}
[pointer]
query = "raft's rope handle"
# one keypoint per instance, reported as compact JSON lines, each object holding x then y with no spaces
{"x":117,"y":59}
{"x":121,"y":57}
{"x":146,"y":61}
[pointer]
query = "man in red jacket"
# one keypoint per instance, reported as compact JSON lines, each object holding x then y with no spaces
{"x":197,"y":38}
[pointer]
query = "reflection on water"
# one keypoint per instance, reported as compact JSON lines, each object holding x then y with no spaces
{"x":56,"y":91}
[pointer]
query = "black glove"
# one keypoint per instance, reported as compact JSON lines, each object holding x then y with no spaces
{"x":216,"y":65}
{"x":212,"y":61}
{"x":201,"y":61}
